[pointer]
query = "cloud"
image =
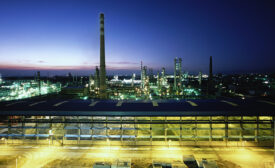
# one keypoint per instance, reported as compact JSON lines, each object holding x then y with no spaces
{"x":41,"y":61}
{"x":23,"y":61}
{"x":113,"y":64}
{"x":45,"y":67}
{"x":123,"y":62}
{"x":85,"y":63}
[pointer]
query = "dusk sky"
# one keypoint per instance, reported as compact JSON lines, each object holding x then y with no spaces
{"x":61,"y":36}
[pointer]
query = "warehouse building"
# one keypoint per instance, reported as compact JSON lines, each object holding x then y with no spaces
{"x":157,"y":122}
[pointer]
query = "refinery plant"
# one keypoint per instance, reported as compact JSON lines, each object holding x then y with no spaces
{"x":27,"y":88}
{"x":145,"y":85}
{"x":149,"y":119}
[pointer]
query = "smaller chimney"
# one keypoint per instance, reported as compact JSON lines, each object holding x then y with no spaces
{"x":39,"y":83}
{"x":210,"y":69}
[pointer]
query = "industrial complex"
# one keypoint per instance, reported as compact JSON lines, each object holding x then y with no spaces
{"x":118,"y":120}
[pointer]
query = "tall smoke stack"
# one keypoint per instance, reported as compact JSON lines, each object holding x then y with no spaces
{"x":141,"y":77}
{"x":180,"y":70}
{"x":210,"y":69}
{"x":102,"y":72}
{"x":175,"y":73}
{"x":210,"y":78}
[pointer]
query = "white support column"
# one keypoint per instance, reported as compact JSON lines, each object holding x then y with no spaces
{"x":210,"y":131}
{"x":273,"y":141}
{"x":63,"y":132}
{"x":106,"y":128}
{"x":50,"y":136}
{"x":196,"y":130}
{"x":78,"y":130}
{"x":9,"y":129}
{"x":151,"y":131}
{"x":165,"y":130}
{"x":121,"y":131}
{"x":136,"y":130}
{"x":180,"y":130}
{"x":257,"y":130}
{"x":241,"y":124}
{"x":36,"y":130}
{"x":23,"y":129}
{"x":92,"y":130}
{"x":226,"y":130}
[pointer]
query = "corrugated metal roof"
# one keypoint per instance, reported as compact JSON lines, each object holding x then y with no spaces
{"x":136,"y":108}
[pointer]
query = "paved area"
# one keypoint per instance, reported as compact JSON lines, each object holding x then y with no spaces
{"x":73,"y":156}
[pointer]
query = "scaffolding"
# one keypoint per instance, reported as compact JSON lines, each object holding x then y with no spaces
{"x":139,"y":130}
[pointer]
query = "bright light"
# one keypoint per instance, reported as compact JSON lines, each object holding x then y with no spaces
{"x":22,"y":89}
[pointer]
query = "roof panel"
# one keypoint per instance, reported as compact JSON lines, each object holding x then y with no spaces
{"x":158,"y":107}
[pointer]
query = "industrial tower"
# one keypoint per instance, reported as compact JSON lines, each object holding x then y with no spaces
{"x":102,"y":71}
{"x":177,"y":74}
{"x":210,"y":78}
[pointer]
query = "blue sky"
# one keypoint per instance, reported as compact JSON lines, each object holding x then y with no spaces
{"x":60,"y":36}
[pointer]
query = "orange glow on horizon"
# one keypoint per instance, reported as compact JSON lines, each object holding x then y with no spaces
{"x":79,"y":67}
